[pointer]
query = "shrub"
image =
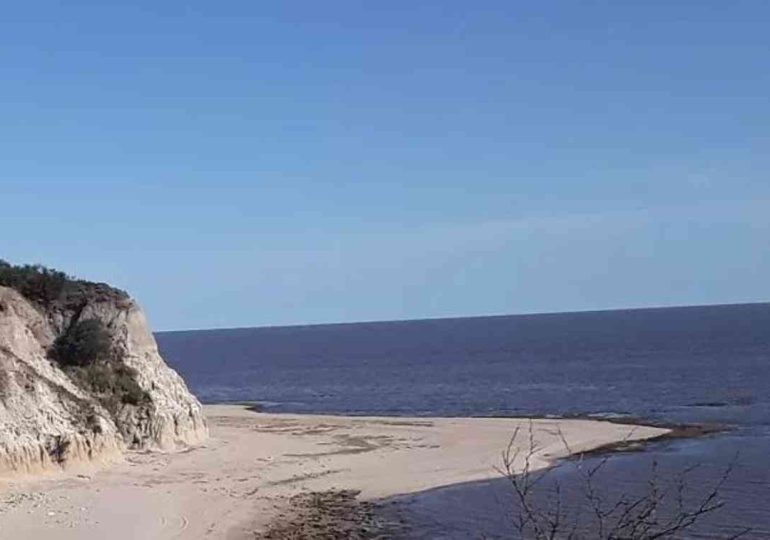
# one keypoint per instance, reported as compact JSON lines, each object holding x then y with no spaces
{"x":96,"y":378}
{"x":37,"y":283}
{"x":113,"y":384}
{"x":126,"y":387}
{"x":52,"y":289}
{"x":84,"y":343}
{"x":85,"y":353}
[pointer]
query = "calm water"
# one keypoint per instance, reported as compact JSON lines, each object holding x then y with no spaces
{"x":701,"y":364}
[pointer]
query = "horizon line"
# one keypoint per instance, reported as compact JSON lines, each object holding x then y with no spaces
{"x":458,"y":317}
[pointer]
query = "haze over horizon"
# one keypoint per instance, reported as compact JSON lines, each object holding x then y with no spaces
{"x":252,"y":165}
{"x":460,"y":317}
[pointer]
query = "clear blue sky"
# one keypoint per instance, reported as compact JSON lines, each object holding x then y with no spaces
{"x":251,"y":163}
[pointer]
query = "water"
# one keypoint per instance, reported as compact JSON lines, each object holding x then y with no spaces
{"x":698,"y":364}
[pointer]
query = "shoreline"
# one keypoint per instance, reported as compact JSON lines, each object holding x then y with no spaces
{"x":674,"y":430}
{"x":261,"y":470}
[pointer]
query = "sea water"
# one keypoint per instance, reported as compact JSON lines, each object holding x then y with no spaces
{"x":679,"y":365}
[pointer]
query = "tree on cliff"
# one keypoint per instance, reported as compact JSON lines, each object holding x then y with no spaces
{"x":38,"y":283}
{"x":83,"y":344}
{"x":54,"y":290}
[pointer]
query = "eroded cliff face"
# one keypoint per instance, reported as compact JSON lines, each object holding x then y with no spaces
{"x":48,"y":420}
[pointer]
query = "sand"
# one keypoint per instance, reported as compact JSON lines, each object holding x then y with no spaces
{"x":256,"y":464}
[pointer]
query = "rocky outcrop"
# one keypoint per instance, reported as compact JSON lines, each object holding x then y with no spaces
{"x":49,"y":419}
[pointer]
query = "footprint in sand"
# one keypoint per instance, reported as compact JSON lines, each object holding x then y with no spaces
{"x":176,"y":525}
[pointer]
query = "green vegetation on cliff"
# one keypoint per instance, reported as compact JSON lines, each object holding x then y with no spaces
{"x":85,"y":353}
{"x":52,"y":289}
{"x":83,"y":344}
{"x":84,"y":349}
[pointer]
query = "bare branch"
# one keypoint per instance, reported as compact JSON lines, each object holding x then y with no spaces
{"x":664,"y":509}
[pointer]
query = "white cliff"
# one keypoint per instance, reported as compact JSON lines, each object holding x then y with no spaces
{"x":49,"y":420}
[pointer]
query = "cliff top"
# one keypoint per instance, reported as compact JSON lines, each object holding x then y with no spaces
{"x":53,"y":290}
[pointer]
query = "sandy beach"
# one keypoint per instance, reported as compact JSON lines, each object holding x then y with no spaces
{"x":245,"y":476}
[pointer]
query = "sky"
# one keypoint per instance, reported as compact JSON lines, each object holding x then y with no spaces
{"x":268,"y":163}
